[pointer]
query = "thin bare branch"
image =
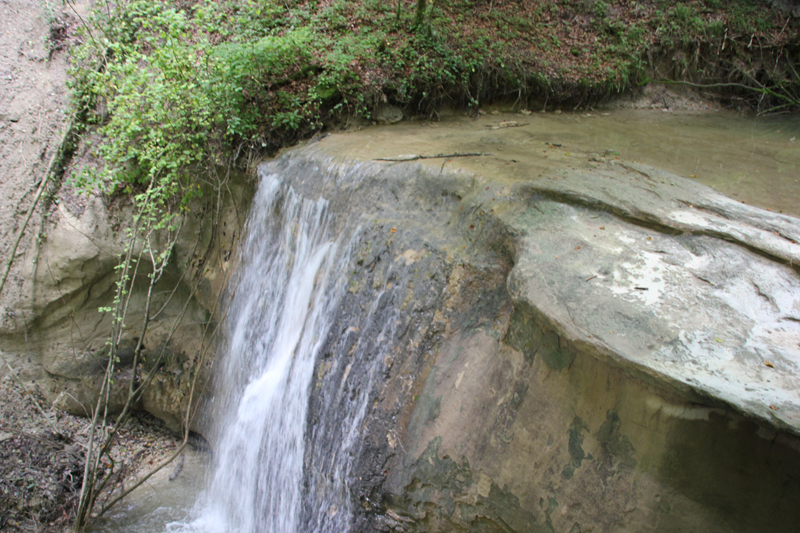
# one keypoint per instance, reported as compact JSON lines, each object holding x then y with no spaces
{"x":438,"y":156}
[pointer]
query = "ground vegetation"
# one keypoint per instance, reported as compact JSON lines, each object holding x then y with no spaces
{"x":174,"y":85}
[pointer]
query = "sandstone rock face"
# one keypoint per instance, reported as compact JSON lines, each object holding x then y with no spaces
{"x":613,"y":350}
{"x":55,"y":332}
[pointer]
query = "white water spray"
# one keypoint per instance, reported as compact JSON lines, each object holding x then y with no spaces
{"x":277,"y":323}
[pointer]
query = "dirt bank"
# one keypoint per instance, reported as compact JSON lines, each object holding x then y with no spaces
{"x":34,"y":111}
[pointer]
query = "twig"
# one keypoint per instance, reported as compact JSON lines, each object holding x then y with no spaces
{"x":438,"y":156}
{"x":788,"y":18}
{"x":591,"y":277}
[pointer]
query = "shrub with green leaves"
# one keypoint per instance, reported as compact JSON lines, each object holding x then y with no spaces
{"x":174,"y":90}
{"x":169,"y":101}
{"x":178,"y":87}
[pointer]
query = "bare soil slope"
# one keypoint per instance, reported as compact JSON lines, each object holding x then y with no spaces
{"x":34,"y":36}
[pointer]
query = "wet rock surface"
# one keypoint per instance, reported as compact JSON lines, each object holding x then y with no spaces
{"x":613,"y":350}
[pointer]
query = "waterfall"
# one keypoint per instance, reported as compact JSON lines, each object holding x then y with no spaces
{"x":283,"y":451}
{"x":278,"y":318}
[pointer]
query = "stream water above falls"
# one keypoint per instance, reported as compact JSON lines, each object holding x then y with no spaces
{"x":753,"y":160}
{"x":291,"y":279}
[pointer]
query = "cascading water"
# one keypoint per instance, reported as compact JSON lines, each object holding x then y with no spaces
{"x":278,"y":319}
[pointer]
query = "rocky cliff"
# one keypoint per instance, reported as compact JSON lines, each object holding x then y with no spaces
{"x":613,"y":349}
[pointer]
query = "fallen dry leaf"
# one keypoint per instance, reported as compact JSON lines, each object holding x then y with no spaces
{"x":767,"y":363}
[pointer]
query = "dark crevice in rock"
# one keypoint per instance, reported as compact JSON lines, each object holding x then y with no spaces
{"x":630,"y":214}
